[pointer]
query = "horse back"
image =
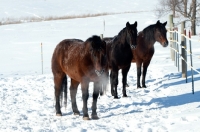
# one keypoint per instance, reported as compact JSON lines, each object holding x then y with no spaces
{"x":107,"y":39}
{"x":66,"y":57}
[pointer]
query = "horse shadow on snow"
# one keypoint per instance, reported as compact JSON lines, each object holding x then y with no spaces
{"x":164,"y":102}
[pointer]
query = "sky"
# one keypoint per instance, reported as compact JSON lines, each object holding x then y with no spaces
{"x":26,"y":81}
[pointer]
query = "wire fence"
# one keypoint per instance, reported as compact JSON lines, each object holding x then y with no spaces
{"x":175,"y":45}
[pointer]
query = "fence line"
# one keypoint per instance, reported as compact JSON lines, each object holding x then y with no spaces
{"x":175,"y":47}
{"x":183,"y":35}
{"x":188,"y":51}
{"x":185,"y":60}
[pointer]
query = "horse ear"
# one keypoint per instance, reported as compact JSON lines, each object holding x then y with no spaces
{"x":128,"y":25}
{"x":158,"y":22}
{"x":135,"y":23}
{"x":165,"y":23}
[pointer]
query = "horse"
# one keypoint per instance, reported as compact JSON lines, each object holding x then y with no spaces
{"x":119,"y":55}
{"x":83,"y":62}
{"x":145,"y":48}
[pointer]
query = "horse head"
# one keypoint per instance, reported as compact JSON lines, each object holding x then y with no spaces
{"x":132,"y":34}
{"x":161,"y":33}
{"x":98,"y":55}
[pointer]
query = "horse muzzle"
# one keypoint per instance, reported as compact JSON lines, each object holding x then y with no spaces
{"x":99,"y":73}
{"x":165,"y":44}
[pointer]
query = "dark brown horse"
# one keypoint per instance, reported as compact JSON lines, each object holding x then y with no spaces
{"x":119,"y":55}
{"x":145,"y":48}
{"x":83,"y":62}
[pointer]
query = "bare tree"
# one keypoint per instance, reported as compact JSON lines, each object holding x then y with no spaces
{"x":184,"y":8}
{"x":166,"y":6}
{"x":193,"y":18}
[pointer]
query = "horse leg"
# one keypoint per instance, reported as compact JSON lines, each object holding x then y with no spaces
{"x":138,"y":64}
{"x":114,"y":82}
{"x":124,"y":79}
{"x":85,"y":95}
{"x":112,"y":87}
{"x":95,"y":96}
{"x":145,"y":66}
{"x":64,"y":90}
{"x":73,"y":91}
{"x":58,"y":79}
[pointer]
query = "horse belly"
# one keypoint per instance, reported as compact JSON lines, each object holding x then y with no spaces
{"x":73,"y":74}
{"x":139,"y":56}
{"x":124,"y":62}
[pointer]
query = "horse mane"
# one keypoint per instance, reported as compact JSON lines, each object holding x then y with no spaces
{"x":149,"y":33}
{"x":95,"y":42}
{"x":116,"y":38}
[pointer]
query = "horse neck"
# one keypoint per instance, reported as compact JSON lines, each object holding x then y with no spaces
{"x":121,"y":38}
{"x":149,"y":37}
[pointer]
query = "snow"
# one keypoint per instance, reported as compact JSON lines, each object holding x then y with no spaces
{"x":27,"y":95}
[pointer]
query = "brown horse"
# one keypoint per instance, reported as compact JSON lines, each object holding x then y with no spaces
{"x":145,"y":48}
{"x":83,"y":62}
{"x":119,"y":55}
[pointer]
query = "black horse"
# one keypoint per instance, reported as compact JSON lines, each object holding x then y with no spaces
{"x":145,"y":48}
{"x":119,"y":55}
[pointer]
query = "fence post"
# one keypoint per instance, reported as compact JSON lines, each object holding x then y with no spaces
{"x":174,"y":45}
{"x":178,"y":55}
{"x":183,"y":52}
{"x":101,"y":36}
{"x":185,"y":55}
{"x":104,"y":24}
{"x":171,"y":36}
{"x":191,"y":61}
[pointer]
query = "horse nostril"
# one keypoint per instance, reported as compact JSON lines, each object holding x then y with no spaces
{"x":165,"y":44}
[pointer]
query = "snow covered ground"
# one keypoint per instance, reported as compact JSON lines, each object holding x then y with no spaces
{"x":27,"y":95}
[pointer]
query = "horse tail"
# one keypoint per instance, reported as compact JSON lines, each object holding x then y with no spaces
{"x":63,"y":93}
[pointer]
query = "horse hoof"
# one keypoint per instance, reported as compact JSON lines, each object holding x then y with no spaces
{"x":95,"y":117}
{"x":86,"y":118}
{"x":139,"y":87}
{"x":58,"y":114}
{"x":127,"y":85}
{"x":125,"y":96}
{"x":76,"y":113}
{"x":116,"y":97}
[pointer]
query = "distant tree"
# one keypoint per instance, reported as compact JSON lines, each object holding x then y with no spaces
{"x":166,"y":6}
{"x":186,"y":8}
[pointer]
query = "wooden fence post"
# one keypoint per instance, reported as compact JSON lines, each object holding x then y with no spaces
{"x":183,"y":51}
{"x":175,"y":47}
{"x":101,"y":36}
{"x":171,"y":24}
{"x":178,"y":55}
{"x":104,"y":24}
